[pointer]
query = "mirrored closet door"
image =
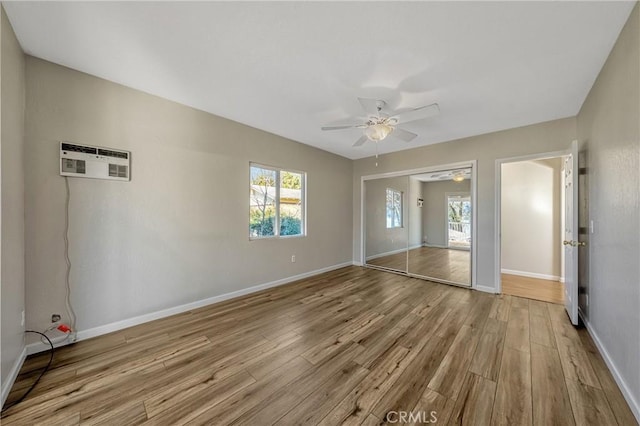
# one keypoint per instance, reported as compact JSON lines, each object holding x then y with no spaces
{"x":421,"y":224}
{"x":385,"y":221}
{"x":441,"y":232}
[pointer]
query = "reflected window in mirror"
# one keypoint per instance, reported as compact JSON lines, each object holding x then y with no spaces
{"x":394,"y":208}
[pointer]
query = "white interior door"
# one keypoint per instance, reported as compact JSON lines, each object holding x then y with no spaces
{"x":571,"y":242}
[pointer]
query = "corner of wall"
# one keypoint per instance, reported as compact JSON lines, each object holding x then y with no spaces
{"x":12,"y":270}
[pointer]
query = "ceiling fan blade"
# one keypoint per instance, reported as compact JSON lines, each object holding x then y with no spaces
{"x":403,"y":135}
{"x":348,"y":126}
{"x":417,"y":114}
{"x":370,"y":106}
{"x":360,"y":141}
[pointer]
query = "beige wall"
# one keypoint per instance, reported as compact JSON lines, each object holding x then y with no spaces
{"x":12,"y":291}
{"x":531,"y":213}
{"x":178,"y":232}
{"x":544,"y":137}
{"x":609,"y":130}
{"x":434,"y":212}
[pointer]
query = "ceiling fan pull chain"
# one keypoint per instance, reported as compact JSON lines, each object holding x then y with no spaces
{"x":376,"y":153}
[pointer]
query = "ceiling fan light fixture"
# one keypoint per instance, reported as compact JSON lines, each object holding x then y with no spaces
{"x":378,"y":132}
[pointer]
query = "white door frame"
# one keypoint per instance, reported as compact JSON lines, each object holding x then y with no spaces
{"x":498,"y":207}
{"x":473,"y":164}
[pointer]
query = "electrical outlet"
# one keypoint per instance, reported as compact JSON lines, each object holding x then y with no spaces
{"x":22,"y":318}
{"x":293,"y":258}
{"x":55,"y":317}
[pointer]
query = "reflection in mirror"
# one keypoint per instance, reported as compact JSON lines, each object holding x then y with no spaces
{"x":440,"y":226}
{"x":386,"y":222}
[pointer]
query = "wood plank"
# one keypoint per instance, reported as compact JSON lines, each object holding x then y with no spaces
{"x":538,"y":308}
{"x":328,"y":346}
{"x":551,"y":405}
{"x":320,"y":402}
{"x":520,"y":303}
{"x":191,"y":400}
{"x":488,"y":357}
{"x":475,"y":402}
{"x":131,"y":413}
{"x":501,"y":307}
{"x":517,"y":336}
{"x":62,"y":419}
{"x":435,"y":406}
{"x":575,"y":362}
{"x":616,"y":400}
{"x":272,"y":408}
{"x":356,"y":406}
{"x":371,"y":420}
{"x":450,"y":375}
{"x":533,"y":288}
{"x":412,"y":382}
{"x":249,"y":397}
{"x":513,"y":403}
{"x":590,"y":406}
{"x":541,"y":331}
{"x":479,"y":312}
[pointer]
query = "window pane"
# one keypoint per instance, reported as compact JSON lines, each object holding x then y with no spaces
{"x":291,"y":214}
{"x":397,"y":209}
{"x":262,"y":211}
{"x":394,"y":208}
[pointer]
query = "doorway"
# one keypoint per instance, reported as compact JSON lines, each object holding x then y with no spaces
{"x":531,"y":228}
{"x":458,"y":226}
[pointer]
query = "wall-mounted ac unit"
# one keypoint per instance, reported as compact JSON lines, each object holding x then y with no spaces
{"x":94,"y":162}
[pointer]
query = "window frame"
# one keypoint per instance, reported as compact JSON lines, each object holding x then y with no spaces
{"x":303,"y":202}
{"x":401,"y":209}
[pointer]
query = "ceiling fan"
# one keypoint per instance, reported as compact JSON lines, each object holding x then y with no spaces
{"x":380,"y":124}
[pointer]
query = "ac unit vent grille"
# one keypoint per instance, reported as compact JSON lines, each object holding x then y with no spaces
{"x":78,"y":148}
{"x":73,"y":166}
{"x":114,"y":154}
{"x":116,"y":170}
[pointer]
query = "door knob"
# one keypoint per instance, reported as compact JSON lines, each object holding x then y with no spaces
{"x":567,"y":243}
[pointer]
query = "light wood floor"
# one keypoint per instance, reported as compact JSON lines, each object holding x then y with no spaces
{"x":533,"y":288}
{"x":345,"y":347}
{"x":433,"y":262}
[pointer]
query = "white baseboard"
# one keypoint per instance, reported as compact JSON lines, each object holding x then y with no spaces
{"x":388,"y":253}
{"x":130,"y":322}
{"x":485,"y":289}
{"x":624,"y":388}
{"x":446,"y":247}
{"x":531,"y":275}
{"x":13,"y":375}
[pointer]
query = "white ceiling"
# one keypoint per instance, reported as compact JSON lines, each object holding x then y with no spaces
{"x":291,"y":67}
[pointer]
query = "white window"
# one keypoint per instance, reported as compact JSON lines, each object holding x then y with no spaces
{"x":277,"y":207}
{"x":394,"y":208}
